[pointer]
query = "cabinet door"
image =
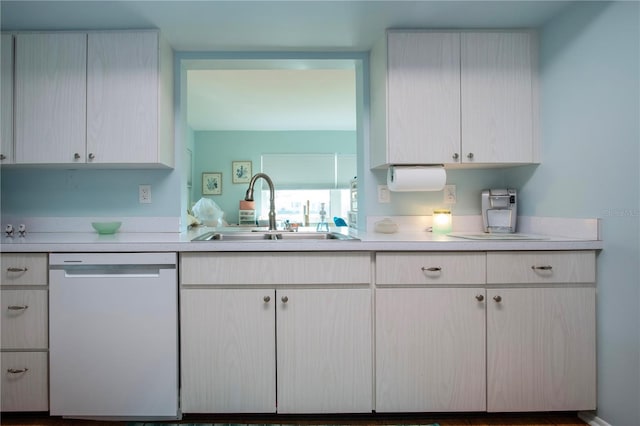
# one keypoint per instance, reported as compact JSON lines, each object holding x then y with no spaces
{"x":228,"y":351}
{"x":497,"y":97}
{"x":6,"y":107}
{"x":430,"y":349}
{"x":122,"y":97}
{"x":423,"y":110}
{"x":324,"y":350}
{"x":541,"y":349}
{"x":50,"y":98}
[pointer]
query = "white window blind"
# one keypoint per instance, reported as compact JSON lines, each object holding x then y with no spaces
{"x":309,"y":171}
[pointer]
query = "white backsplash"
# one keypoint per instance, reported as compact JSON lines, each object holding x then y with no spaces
{"x":83,"y":224}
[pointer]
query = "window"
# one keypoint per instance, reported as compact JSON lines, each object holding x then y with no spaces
{"x":291,"y":205}
{"x":308,"y":179}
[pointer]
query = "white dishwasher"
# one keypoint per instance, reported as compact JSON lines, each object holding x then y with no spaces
{"x":113,"y":335}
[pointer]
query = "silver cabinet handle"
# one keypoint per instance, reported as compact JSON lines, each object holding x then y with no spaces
{"x":91,"y":156}
{"x":11,"y":269}
{"x":76,"y":156}
{"x":431,"y":269}
{"x":17,"y":307}
{"x":455,"y":155}
{"x":498,"y":299}
{"x":542,"y":268}
{"x":284,"y":299}
{"x":17,"y":370}
{"x":479,"y":297}
{"x":266,"y":299}
{"x":470,"y":155}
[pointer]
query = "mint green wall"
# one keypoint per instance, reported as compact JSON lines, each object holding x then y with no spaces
{"x":215,"y":150}
{"x":590,"y":119}
{"x":35,"y":192}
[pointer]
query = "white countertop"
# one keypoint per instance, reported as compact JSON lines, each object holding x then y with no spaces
{"x":368,"y":241}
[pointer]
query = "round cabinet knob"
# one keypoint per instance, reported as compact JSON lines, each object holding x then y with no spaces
{"x":91,"y":156}
{"x":479,"y":297}
{"x":455,"y":155}
{"x":3,"y":157}
{"x":470,"y":155}
{"x":266,"y":299}
{"x":284,"y":299}
{"x":497,"y":298}
{"x":76,"y":156}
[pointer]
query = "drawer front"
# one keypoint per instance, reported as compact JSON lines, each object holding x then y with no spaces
{"x":24,"y":319}
{"x":430,"y":268}
{"x":275,"y":268}
{"x":537,"y":267}
{"x":24,"y":268}
{"x":24,"y":381}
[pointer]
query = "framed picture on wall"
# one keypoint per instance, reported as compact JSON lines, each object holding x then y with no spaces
{"x":241,"y":171}
{"x":211,"y":183}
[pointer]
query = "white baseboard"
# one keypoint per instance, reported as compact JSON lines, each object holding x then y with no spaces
{"x":592,"y":419}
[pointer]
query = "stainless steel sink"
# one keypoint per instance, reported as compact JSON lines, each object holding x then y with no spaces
{"x":272,"y":235}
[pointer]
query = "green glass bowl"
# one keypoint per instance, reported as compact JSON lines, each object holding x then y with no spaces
{"x":106,"y":228}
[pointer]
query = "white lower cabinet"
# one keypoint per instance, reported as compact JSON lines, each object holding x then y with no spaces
{"x":228,"y":351}
{"x":324,"y":350}
{"x":251,"y":346}
{"x":533,"y":313}
{"x":541,"y":349}
{"x":541,"y":331}
{"x":25,"y":381}
{"x":24,"y":329}
{"x":430,"y":349}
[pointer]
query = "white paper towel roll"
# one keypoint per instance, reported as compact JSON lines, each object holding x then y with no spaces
{"x":416,"y":178}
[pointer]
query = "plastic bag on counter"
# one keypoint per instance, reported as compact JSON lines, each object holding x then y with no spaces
{"x":208,"y":212}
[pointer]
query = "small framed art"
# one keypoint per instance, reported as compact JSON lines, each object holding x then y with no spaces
{"x":241,"y":171}
{"x":211,"y":183}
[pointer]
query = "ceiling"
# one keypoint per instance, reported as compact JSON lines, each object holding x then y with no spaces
{"x":273,"y":99}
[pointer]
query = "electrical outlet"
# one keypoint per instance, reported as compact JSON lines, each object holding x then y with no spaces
{"x":384,"y":196}
{"x":450,"y":194}
{"x":144,"y":194}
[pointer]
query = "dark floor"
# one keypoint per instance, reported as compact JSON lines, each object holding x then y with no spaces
{"x":446,"y":419}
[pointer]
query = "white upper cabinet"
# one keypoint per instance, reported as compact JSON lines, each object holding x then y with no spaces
{"x":125,"y":84}
{"x":498,"y":97}
{"x":6,"y":92}
{"x":50,"y":97}
{"x":98,"y":98}
{"x":445,"y":97}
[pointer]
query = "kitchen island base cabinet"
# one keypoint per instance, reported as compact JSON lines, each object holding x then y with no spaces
{"x":541,"y":349}
{"x":430,"y":349}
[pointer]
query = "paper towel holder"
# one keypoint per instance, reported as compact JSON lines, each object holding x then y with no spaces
{"x":434,"y":176}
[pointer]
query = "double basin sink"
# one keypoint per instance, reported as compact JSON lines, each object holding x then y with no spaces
{"x":273,"y":236}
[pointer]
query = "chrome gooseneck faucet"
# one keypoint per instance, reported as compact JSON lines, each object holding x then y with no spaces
{"x":272,"y":204}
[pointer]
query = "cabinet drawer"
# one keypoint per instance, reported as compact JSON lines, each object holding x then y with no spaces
{"x":541,"y":267}
{"x":24,"y":381}
{"x":430,"y":268}
{"x":24,"y":268}
{"x":275,"y":268}
{"x":24,"y":319}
